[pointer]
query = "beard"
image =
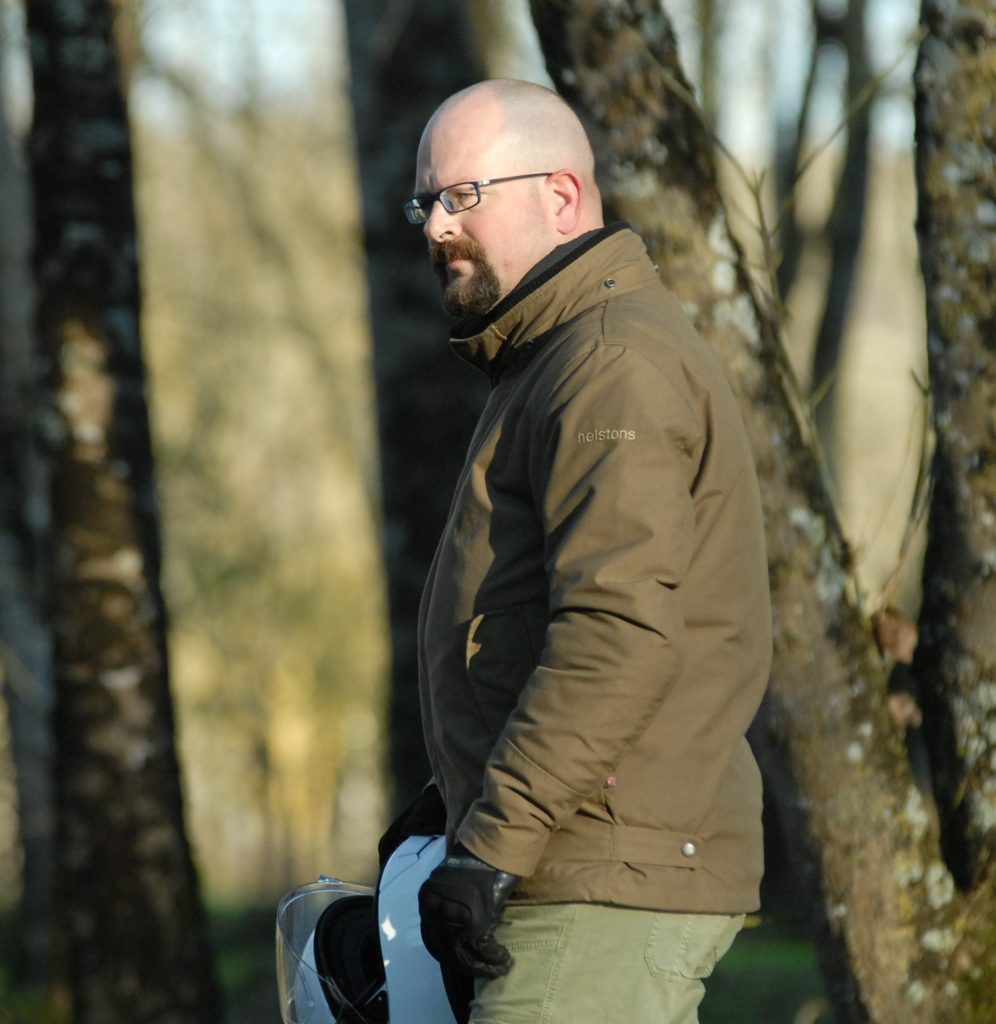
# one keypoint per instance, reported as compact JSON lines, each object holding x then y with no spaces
{"x":465,"y":296}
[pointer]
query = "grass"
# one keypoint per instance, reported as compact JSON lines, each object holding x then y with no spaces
{"x":768,"y":977}
{"x":245,"y":958}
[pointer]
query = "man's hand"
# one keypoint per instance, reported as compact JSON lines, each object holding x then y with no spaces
{"x":460,"y":904}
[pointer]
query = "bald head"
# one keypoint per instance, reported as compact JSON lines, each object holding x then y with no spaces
{"x":502,"y":127}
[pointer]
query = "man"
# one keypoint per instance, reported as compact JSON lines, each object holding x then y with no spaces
{"x":595,"y":629}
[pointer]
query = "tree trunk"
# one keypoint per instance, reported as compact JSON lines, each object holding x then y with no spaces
{"x":709,"y":16}
{"x":955,"y":83}
{"x":505,"y":42}
{"x":134,"y":924}
{"x":788,"y":158}
{"x":846,"y":223}
{"x":25,"y":648}
{"x":887,"y":914}
{"x":405,"y":60}
{"x":844,"y":226}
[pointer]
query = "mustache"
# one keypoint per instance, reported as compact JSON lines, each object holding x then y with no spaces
{"x":442,"y":253}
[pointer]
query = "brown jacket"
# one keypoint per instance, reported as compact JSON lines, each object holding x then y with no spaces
{"x":595,"y":631}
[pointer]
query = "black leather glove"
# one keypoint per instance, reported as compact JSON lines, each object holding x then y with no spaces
{"x":460,"y":904}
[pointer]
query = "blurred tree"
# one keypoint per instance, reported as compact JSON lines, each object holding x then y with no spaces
{"x":709,"y":16}
{"x":505,"y":43}
{"x":956,"y":658}
{"x":128,"y":892}
{"x":846,"y":223}
{"x":888,"y":918}
{"x":25,"y":647}
{"x":405,"y":59}
{"x":266,"y":441}
{"x":838,"y":31}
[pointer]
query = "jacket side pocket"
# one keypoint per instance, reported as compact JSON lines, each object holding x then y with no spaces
{"x":499,"y":661}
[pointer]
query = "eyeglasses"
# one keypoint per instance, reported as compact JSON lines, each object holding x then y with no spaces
{"x":459,"y":198}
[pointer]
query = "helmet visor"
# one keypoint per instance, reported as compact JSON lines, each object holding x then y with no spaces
{"x":310,"y":990}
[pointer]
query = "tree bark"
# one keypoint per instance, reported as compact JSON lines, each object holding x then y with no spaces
{"x":405,"y":60}
{"x":955,"y":82}
{"x":884,"y":901}
{"x":25,"y":647}
{"x":134,"y":925}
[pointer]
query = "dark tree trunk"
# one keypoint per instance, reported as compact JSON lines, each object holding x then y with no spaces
{"x":406,"y":59}
{"x":845,"y":224}
{"x":888,"y":918}
{"x":845,"y":227}
{"x":956,"y":226}
{"x":25,"y":644}
{"x":128,"y":896}
{"x":788,"y":159}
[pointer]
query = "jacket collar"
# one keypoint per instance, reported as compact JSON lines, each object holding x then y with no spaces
{"x":552,"y":293}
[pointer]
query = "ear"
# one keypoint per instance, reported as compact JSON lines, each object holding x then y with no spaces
{"x":566,"y":194}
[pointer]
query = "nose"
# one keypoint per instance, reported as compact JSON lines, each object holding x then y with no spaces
{"x":440,"y":224}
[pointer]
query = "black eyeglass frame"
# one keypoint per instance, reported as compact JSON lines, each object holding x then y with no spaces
{"x":418,"y":207}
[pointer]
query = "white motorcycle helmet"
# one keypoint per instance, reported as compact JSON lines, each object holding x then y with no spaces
{"x":348,"y":955}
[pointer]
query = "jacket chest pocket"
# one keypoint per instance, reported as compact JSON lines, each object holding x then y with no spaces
{"x":502,"y":651}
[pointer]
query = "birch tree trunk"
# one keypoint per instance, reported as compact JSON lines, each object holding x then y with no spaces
{"x":405,"y":60}
{"x":128,"y":891}
{"x":955,"y":83}
{"x":888,"y":918}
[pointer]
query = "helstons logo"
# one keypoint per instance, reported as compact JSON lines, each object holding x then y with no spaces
{"x":606,"y":434}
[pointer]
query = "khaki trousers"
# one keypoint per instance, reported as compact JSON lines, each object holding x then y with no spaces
{"x":584,"y":963}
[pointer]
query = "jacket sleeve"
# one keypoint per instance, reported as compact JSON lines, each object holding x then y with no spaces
{"x":615,"y":453}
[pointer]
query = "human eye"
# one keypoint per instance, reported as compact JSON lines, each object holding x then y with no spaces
{"x":459,"y":197}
